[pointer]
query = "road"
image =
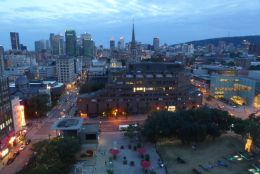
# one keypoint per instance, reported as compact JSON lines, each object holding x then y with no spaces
{"x":112,"y":124}
{"x":241,"y":112}
{"x":40,"y":130}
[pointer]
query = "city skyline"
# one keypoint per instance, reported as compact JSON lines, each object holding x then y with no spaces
{"x":173,"y":21}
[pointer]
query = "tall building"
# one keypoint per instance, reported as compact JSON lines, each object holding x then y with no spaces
{"x":121,"y":43}
{"x":65,"y":69}
{"x":6,"y":119}
{"x":15,"y":43}
{"x":39,"y":45}
{"x":71,"y":42}
{"x":88,"y":46}
{"x":156,"y":43}
{"x":51,"y":41}
{"x":57,"y":45}
{"x":1,"y":60}
{"x":112,"y":44}
{"x":133,"y":49}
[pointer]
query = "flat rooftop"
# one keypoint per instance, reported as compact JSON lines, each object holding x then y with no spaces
{"x":90,"y":128}
{"x":68,"y":124}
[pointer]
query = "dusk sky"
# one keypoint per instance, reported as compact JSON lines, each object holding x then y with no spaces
{"x":173,"y":21}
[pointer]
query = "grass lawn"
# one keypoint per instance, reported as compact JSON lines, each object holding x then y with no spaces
{"x":207,"y":153}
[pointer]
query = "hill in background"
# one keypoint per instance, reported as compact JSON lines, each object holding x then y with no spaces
{"x":236,"y":40}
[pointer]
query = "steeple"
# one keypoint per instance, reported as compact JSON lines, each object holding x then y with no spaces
{"x":133,"y":47}
{"x":133,"y":34}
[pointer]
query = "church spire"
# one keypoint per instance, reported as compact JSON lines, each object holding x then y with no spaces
{"x":133,"y":34}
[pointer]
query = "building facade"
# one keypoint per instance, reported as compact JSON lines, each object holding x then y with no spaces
{"x":6,"y":119}
{"x":15,"y":43}
{"x":142,"y":88}
{"x":156,"y":43}
{"x":71,"y":42}
{"x":235,"y":89}
{"x":18,"y":115}
{"x":65,"y":69}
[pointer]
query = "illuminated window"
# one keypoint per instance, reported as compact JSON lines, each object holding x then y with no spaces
{"x":172,"y":108}
{"x":257,"y":101}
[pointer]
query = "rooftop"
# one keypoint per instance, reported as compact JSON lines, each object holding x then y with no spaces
{"x":68,"y":124}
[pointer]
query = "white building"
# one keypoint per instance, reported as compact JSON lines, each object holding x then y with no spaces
{"x":18,"y":115}
{"x":65,"y":69}
{"x":47,"y":71}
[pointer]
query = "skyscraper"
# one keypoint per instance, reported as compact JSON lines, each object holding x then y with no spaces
{"x":121,"y":43}
{"x":71,"y":41}
{"x":1,"y":60}
{"x":15,"y":43}
{"x":112,"y":44}
{"x":39,"y":45}
{"x":58,"y":45}
{"x":156,"y":43}
{"x":88,"y":46}
{"x":51,"y":41}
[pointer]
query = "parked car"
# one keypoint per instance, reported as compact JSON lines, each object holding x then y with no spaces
{"x":10,"y":161}
{"x":16,"y":154}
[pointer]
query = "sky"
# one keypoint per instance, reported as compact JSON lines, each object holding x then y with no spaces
{"x":173,"y":21}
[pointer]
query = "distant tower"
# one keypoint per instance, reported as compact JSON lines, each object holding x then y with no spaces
{"x":133,"y":49}
{"x":15,"y":43}
{"x":71,"y":40}
{"x":112,"y":44}
{"x":156,"y":43}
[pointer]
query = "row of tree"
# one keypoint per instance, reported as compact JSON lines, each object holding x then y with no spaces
{"x":196,"y":125}
{"x":53,"y":157}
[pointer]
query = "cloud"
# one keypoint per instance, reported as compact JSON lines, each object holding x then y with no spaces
{"x":155,"y":16}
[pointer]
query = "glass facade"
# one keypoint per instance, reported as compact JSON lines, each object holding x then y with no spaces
{"x":240,"y":90}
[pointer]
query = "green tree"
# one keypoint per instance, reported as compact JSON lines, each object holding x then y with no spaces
{"x":37,"y":106}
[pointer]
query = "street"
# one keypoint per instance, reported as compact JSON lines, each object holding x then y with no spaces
{"x":40,"y":129}
{"x":240,"y":111}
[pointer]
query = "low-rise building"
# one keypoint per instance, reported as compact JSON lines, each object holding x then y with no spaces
{"x":142,"y":88}
{"x":237,"y":89}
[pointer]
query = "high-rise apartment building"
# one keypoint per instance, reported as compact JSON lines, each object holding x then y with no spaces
{"x":15,"y":43}
{"x":156,"y":43}
{"x":65,"y":69}
{"x":71,"y":41}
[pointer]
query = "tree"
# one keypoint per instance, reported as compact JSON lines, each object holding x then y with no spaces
{"x":53,"y":157}
{"x":37,"y":106}
{"x":188,"y":125}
